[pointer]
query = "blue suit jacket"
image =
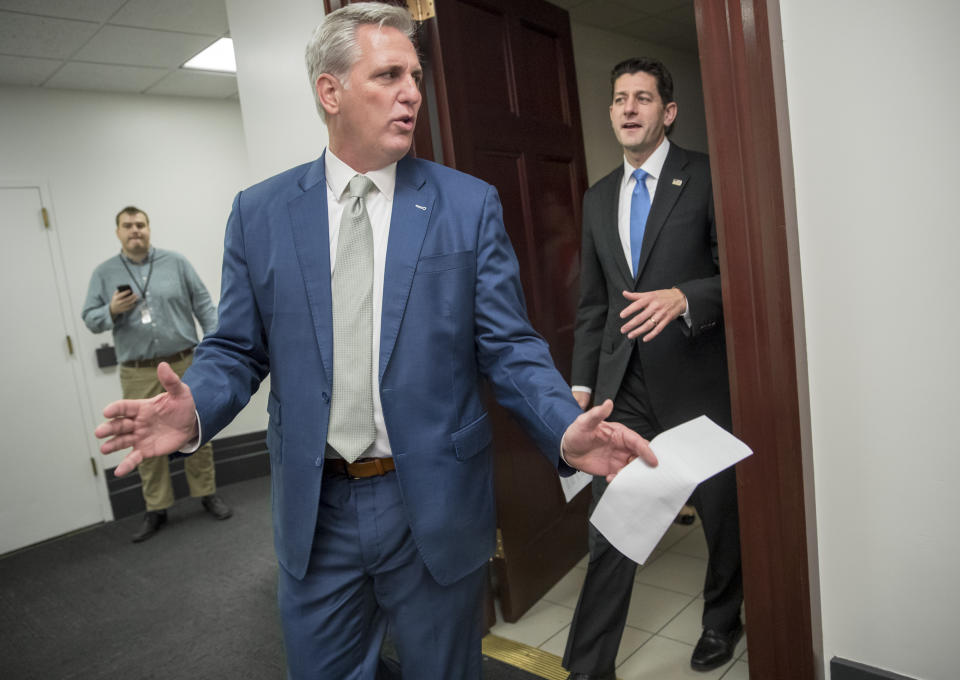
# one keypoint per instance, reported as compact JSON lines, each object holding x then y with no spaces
{"x":453,"y":314}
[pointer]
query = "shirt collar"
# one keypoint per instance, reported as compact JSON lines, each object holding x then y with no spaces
{"x":653,"y":165}
{"x":148,"y":258}
{"x":339,"y":175}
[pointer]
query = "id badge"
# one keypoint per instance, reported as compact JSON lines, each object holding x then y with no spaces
{"x":145,"y":314}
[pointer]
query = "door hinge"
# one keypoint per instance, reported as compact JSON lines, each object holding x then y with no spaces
{"x":70,"y":345}
{"x":46,"y":217}
{"x":421,"y":10}
{"x":500,"y":554}
{"x":93,"y":465}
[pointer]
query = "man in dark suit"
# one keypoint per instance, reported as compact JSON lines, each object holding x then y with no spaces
{"x":650,"y":336}
{"x":379,"y":292}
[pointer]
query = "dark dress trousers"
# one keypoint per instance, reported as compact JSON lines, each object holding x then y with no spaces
{"x":677,"y":376}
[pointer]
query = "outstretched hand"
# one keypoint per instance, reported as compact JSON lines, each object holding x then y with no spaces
{"x":153,"y":427}
{"x":597,"y":447}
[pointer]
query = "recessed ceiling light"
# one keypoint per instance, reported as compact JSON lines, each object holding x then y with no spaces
{"x":218,"y":57}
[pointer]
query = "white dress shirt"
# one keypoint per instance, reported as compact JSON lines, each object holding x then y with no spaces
{"x":379,"y":203}
{"x":654,"y":168}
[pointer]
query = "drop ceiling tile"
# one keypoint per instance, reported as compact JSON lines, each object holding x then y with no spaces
{"x":82,"y":76}
{"x":685,"y":41}
{"x":605,"y":14}
{"x":142,"y":47}
{"x":196,"y":84}
{"x":88,"y":10}
{"x":43,"y":37}
{"x":567,"y":4}
{"x":26,"y":70}
{"x":683,"y":15}
{"x":654,"y":6}
{"x":189,"y":16}
{"x":652,"y":29}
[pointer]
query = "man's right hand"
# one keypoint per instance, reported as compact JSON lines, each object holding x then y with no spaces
{"x":122,"y":301}
{"x":153,"y":427}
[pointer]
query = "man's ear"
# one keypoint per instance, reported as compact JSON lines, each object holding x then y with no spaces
{"x":328,"y":93}
{"x":669,"y":114}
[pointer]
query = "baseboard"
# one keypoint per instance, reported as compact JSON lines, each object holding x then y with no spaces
{"x":844,"y":669}
{"x":236,"y":459}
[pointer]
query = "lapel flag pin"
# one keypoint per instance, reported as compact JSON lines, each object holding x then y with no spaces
{"x":677,"y":182}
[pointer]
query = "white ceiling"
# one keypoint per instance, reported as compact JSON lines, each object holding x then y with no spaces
{"x":140,"y":45}
{"x":114,"y":45}
{"x":665,"y":22}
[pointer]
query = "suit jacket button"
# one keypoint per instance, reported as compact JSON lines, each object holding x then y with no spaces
{"x":319,"y":461}
{"x":325,"y":397}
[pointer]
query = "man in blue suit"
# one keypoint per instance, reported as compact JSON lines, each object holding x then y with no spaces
{"x":379,"y":292}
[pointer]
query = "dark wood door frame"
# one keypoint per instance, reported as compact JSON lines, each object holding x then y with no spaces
{"x":742,"y":70}
{"x":744,"y":94}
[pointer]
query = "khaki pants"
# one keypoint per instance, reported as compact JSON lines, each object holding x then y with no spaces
{"x":142,"y":383}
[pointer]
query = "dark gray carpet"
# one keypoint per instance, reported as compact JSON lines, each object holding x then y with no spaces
{"x":198,"y":600}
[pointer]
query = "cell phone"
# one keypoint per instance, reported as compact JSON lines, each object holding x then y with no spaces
{"x":123,"y":288}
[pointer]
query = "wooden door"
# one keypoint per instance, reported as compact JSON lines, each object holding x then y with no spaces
{"x":500,"y":103}
{"x":506,"y":100}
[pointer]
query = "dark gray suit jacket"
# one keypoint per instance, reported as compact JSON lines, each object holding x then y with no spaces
{"x":685,"y":369}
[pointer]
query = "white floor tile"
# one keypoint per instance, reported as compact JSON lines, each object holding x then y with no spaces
{"x":558,"y":643}
{"x":566,"y":592}
{"x":675,"y":533}
{"x":632,"y":640}
{"x":652,"y":608}
{"x":738,"y":671}
{"x":687,"y":625}
{"x":740,"y":651}
{"x":663,"y":659}
{"x":693,"y":544}
{"x":674,"y":571}
{"x":539,"y":624}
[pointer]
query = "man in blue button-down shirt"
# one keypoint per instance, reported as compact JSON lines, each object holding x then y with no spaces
{"x":148,"y":298}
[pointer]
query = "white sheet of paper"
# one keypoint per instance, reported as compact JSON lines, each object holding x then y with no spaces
{"x":640,"y":504}
{"x":574,"y":483}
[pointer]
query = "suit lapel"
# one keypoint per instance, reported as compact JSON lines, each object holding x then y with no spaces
{"x":413,"y":202}
{"x":610,"y":225}
{"x":669,"y":187}
{"x":311,"y":237}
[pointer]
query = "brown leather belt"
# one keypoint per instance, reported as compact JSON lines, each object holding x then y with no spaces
{"x":360,"y":469}
{"x":155,"y":361}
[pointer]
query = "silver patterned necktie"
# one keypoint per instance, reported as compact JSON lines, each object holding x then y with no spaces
{"x":351,"y":430}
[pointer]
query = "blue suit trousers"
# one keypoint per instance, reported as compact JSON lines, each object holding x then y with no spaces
{"x":366,"y":574}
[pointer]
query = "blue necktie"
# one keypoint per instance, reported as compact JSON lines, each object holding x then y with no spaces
{"x":639,"y":209}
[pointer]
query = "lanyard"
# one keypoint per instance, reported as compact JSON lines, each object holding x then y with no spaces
{"x":143,"y":288}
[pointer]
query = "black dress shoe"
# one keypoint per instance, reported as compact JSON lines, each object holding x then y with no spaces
{"x":216,"y":507}
{"x":588,"y":676}
{"x":152,"y":521}
{"x":715,"y":648}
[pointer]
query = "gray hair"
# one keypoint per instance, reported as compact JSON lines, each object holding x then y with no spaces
{"x":333,"y":48}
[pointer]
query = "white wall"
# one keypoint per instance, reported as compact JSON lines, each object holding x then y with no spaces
{"x":182,"y":160}
{"x":280,"y":121}
{"x":596,"y":52}
{"x":873,"y":104}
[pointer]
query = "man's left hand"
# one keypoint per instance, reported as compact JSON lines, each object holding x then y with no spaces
{"x":597,"y":447}
{"x":651,"y":312}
